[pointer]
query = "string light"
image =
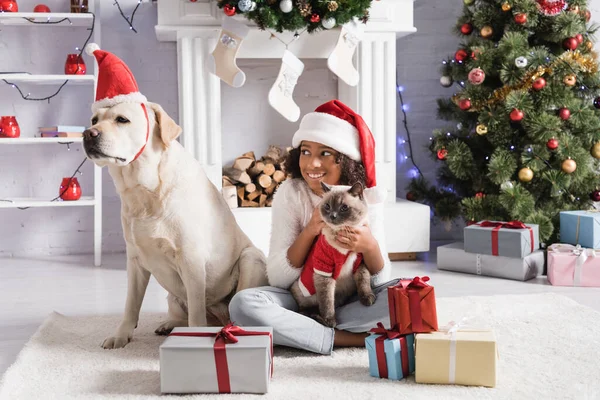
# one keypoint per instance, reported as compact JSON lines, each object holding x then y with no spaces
{"x":129,"y":20}
{"x":399,"y":90}
{"x":28,"y":95}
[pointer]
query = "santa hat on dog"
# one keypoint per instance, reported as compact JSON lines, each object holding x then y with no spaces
{"x":116,"y":83}
{"x":336,"y":125}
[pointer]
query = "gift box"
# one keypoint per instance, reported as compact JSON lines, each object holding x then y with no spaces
{"x":217,"y":360}
{"x":462,"y":357}
{"x":570,"y":265}
{"x":507,"y":239}
{"x":412,"y":306}
{"x":391,"y":355}
{"x":453,"y":257}
{"x":580,"y":227}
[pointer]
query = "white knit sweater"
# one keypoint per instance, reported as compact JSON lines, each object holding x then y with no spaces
{"x":292,"y":208}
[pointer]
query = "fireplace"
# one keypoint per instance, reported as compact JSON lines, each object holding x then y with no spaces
{"x":195,"y":26}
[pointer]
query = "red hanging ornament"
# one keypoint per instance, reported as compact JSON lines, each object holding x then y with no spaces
{"x":595,"y":195}
{"x":41,"y":8}
{"x":441,"y":154}
{"x":229,"y":10}
{"x":410,"y":196}
{"x":521,"y":18}
{"x":552,"y":144}
{"x":466,"y":29}
{"x":516,"y":115}
{"x":464,"y":104}
{"x":69,"y":189}
{"x":570,"y":43}
{"x":479,"y":195}
{"x":315,"y":18}
{"x":579,"y":38}
{"x":588,"y":15}
{"x":539,"y":84}
{"x":564,"y":113}
{"x":461,"y":55}
{"x":551,"y":7}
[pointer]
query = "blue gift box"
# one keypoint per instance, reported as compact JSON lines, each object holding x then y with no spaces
{"x":393,"y":356}
{"x":580,"y":227}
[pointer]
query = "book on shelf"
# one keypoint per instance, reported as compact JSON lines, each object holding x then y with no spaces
{"x":61,"y":134}
{"x":63,"y":128}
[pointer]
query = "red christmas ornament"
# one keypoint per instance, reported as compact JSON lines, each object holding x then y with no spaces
{"x":74,"y":65}
{"x":552,"y":144}
{"x":539,"y":84}
{"x":595,"y":196}
{"x":9,"y":127}
{"x":441,"y":154}
{"x":70,"y":189}
{"x":564,"y":113}
{"x":466,"y":29}
{"x":479,"y":195}
{"x":521,"y":18}
{"x":461,"y":55}
{"x":464,"y":104}
{"x":570,"y":43}
{"x":516,"y":115}
{"x":475,"y":53}
{"x":41,"y":8}
{"x":410,"y":196}
{"x":579,"y":38}
{"x":9,"y":6}
{"x":229,"y":10}
{"x":588,"y":15}
{"x":315,"y":18}
{"x":551,"y":7}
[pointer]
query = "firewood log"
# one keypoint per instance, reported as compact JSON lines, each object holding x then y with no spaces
{"x":237,"y":176}
{"x":269,"y":203}
{"x":256,"y":169}
{"x":262,"y":200}
{"x":271,"y":188}
{"x":251,"y":187}
{"x":269,"y":169}
{"x":264,"y":181}
{"x":252,"y":196}
{"x":278,"y":176}
{"x":273,"y":153}
{"x":230,"y":196}
{"x":249,"y":154}
{"x":243,"y":163}
{"x":226,"y":181}
{"x":247,"y":203}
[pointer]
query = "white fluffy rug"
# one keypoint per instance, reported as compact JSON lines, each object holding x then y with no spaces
{"x":549,"y":349}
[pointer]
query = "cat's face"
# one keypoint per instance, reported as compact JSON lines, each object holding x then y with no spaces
{"x":343,"y":207}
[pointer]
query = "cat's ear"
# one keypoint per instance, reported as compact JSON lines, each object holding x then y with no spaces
{"x":356,"y":190}
{"x":326,"y":187}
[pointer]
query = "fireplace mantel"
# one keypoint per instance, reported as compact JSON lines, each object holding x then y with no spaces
{"x":195,"y":26}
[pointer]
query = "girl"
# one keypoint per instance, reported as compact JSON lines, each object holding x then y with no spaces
{"x":333,"y":145}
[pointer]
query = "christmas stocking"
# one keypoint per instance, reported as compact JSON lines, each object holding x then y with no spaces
{"x":280,"y":95}
{"x":222,"y":60}
{"x":340,"y":60}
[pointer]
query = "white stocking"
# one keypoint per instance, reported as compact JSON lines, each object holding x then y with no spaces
{"x":280,"y":95}
{"x":222,"y":60}
{"x":340,"y":60}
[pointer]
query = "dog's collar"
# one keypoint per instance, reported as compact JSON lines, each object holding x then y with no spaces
{"x":147,"y":133}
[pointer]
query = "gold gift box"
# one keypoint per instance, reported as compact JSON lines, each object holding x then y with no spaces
{"x":475,"y":353}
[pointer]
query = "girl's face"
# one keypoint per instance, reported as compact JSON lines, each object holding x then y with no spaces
{"x":317,"y":164}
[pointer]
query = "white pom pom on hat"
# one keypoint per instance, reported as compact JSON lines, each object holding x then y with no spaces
{"x":91,"y":48}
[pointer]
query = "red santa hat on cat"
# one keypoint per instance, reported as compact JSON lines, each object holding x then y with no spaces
{"x":116,"y":83}
{"x":336,"y":125}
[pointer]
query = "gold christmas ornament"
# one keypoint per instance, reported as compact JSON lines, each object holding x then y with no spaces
{"x":506,"y":7}
{"x":332,"y":6}
{"x":570,"y":80}
{"x":574,"y":9}
{"x":486,"y":32}
{"x":569,"y":166}
{"x":596,"y":150}
{"x":525,"y":174}
{"x":481,"y":129}
{"x":589,"y":45}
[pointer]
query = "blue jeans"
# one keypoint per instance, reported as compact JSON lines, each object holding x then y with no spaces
{"x":275,"y":307}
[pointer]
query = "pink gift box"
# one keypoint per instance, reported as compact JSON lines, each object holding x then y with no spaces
{"x":570,"y":265}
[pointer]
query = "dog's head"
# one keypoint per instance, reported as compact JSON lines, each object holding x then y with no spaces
{"x":118,"y":133}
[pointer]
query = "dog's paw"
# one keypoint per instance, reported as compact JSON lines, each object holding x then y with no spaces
{"x":328,"y":321}
{"x":116,"y":342}
{"x":368,"y":299}
{"x":166,"y":328}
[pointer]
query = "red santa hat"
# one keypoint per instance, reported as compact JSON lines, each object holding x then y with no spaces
{"x":116,"y":83}
{"x":336,"y":125}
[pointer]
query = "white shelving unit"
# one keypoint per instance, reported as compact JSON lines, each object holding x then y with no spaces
{"x":84,"y":20}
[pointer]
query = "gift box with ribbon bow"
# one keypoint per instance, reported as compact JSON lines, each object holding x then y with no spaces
{"x":580,"y":227}
{"x":391,"y":355}
{"x":458,"y":354}
{"x":570,"y":265}
{"x":507,"y":239}
{"x":217,"y":360}
{"x":412,"y":306}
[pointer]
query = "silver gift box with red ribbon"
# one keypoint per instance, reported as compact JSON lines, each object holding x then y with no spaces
{"x":513,"y":239}
{"x":217,"y":360}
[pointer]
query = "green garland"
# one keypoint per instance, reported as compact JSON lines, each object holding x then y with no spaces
{"x":309,"y":15}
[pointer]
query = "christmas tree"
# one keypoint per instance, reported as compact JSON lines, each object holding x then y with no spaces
{"x":524,"y":143}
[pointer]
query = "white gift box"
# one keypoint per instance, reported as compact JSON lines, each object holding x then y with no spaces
{"x":191,"y":364}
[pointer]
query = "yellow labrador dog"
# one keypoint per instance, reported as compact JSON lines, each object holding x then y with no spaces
{"x":176,"y":224}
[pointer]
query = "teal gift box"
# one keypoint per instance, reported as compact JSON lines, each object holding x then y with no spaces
{"x":391,"y":358}
{"x":580,"y":227}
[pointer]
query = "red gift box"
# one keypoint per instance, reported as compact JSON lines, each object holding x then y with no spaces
{"x":412,"y":306}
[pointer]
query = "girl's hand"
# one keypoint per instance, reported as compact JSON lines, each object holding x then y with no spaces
{"x":359,"y":240}
{"x":315,"y":224}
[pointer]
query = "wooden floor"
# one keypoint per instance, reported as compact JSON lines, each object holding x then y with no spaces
{"x":32,"y":288}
